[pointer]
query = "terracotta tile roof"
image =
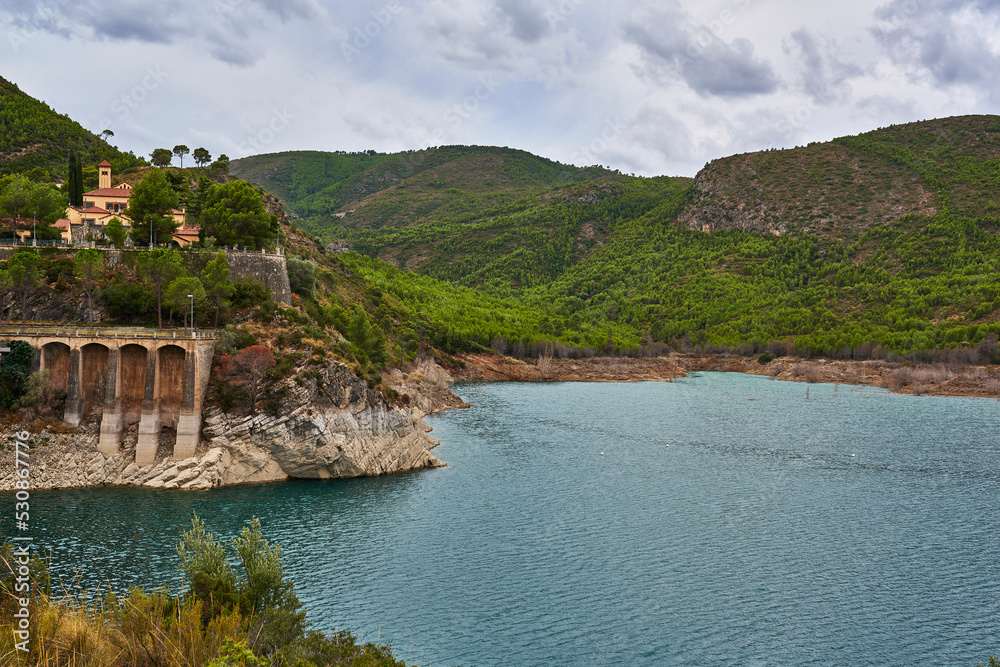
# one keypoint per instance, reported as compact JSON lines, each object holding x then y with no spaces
{"x":95,"y":210}
{"x":62,"y":223}
{"x":109,"y":192}
{"x":104,"y":164}
{"x":185,"y":230}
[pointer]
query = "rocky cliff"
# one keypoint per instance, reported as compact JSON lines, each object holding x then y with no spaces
{"x":332,"y":425}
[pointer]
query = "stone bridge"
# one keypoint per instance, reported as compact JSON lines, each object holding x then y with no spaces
{"x":152,"y":377}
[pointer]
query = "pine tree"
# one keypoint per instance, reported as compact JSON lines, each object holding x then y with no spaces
{"x":215,"y":279}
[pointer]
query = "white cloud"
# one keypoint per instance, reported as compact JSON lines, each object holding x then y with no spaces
{"x":682,"y":82}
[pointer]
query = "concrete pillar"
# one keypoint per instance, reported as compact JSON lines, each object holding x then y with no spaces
{"x":149,"y":422}
{"x":189,"y":421}
{"x":36,"y":360}
{"x":74,"y":396}
{"x":111,"y":421}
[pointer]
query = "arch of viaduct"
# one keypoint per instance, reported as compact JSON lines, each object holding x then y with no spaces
{"x":153,"y":378}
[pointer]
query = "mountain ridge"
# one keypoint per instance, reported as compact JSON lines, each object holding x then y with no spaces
{"x":841,"y":187}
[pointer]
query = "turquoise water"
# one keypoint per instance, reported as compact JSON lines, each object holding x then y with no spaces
{"x":755,"y":538}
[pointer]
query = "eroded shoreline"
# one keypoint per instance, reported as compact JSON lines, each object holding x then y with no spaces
{"x":906,"y":378}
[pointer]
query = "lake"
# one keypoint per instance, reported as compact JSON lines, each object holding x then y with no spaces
{"x":722,"y":519}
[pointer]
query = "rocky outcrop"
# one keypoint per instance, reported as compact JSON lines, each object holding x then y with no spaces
{"x":331,"y":425}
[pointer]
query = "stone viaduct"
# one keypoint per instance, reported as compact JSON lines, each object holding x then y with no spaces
{"x":152,"y":377}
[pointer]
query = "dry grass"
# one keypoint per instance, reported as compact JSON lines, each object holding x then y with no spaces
{"x":544,"y":364}
{"x":923,"y":377}
{"x":142,"y":630}
{"x":612,"y":365}
{"x":805,"y":370}
{"x":992,"y":387}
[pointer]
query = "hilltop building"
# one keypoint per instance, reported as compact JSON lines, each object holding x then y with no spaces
{"x":107,"y":202}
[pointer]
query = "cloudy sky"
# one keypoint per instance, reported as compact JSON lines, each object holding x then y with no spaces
{"x":644,"y":86}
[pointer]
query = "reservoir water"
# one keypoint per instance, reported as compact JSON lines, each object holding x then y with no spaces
{"x":719,"y":520}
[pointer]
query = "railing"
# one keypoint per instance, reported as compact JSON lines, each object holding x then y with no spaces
{"x":107,"y":332}
{"x":59,"y":243}
{"x":40,"y":243}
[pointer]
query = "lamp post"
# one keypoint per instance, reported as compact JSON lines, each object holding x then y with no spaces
{"x":34,"y":228}
{"x":191,"y":296}
{"x":150,"y":223}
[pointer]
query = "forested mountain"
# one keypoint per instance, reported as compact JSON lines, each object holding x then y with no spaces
{"x":842,"y":187}
{"x":372,"y":190}
{"x":882,"y":243}
{"x":887,"y":243}
{"x":35,"y":140}
{"x":457,"y":212}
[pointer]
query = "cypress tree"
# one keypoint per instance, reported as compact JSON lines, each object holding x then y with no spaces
{"x":78,"y":179}
{"x":72,"y":182}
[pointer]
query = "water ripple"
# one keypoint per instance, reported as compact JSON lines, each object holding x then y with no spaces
{"x":755,"y":538}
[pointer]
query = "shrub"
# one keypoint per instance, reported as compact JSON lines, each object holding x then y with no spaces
{"x":246,"y":369}
{"x":301,"y":276}
{"x":232,"y":339}
{"x":765,"y":358}
{"x":40,"y":397}
{"x":60,"y":270}
{"x":15,"y":367}
{"x":265,"y":312}
{"x":225,"y":394}
{"x":128,"y":301}
{"x":248,"y":292}
{"x":115,"y":232}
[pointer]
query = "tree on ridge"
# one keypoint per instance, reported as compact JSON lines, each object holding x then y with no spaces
{"x":180,"y":150}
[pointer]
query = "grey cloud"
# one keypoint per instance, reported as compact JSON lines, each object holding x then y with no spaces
{"x":527,"y":20}
{"x":225,"y":27}
{"x":135,"y":22}
{"x":234,"y":53}
{"x":824,"y":75}
{"x":287,"y":10}
{"x":957,"y":56}
{"x":467,"y":36}
{"x":673,"y":47}
{"x":664,"y":132}
{"x":887,"y":107}
{"x":927,"y":38}
{"x":903,"y":11}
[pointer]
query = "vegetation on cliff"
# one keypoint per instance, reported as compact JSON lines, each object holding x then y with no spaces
{"x":843,"y":187}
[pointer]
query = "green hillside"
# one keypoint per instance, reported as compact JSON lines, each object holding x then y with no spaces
{"x":346,"y":191}
{"x":35,"y":140}
{"x":466,"y":214}
{"x":842,"y":187}
{"x":884,"y":243}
